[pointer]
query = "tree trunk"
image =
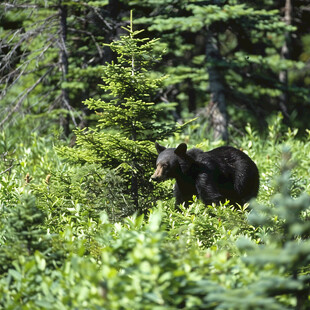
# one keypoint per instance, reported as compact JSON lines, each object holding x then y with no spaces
{"x":217,"y":106}
{"x":191,"y":96}
{"x":134,"y":177}
{"x":64,"y":65}
{"x":285,"y":54}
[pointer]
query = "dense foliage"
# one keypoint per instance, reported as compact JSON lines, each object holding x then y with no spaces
{"x":83,"y":228}
{"x":229,"y":61}
{"x":57,"y":251}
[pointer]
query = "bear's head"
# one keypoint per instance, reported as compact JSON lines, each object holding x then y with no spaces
{"x":171,"y":162}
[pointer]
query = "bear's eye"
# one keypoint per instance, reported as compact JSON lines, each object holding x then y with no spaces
{"x":164,"y":165}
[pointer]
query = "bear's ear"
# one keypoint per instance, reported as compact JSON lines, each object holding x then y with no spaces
{"x":181,"y":150}
{"x":159,"y":148}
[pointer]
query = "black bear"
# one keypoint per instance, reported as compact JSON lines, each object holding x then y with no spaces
{"x":214,"y":176}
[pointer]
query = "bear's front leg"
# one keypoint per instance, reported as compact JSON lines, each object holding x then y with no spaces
{"x":184,"y":192}
{"x":179,"y":199}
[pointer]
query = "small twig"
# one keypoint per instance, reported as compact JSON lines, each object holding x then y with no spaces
{"x":6,"y":170}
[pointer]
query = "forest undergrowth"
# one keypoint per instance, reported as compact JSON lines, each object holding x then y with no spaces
{"x":63,"y":248}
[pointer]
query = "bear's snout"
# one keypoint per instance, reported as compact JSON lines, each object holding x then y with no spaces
{"x":158,"y":174}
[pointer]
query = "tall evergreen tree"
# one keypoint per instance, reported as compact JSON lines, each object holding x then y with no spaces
{"x":128,"y":120}
{"x":230,"y":51}
{"x":50,"y":56}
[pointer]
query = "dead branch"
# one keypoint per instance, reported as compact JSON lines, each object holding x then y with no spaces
{"x":22,"y":98}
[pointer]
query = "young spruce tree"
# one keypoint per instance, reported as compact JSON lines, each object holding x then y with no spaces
{"x":129,"y":123}
{"x":281,"y":261}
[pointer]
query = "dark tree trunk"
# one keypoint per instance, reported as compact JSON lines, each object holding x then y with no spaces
{"x":113,"y":13}
{"x":217,"y":106}
{"x":285,"y":54}
{"x":191,"y":96}
{"x":134,"y":178}
{"x":64,"y":65}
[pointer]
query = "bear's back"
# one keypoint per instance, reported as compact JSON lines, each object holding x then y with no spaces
{"x":226,"y":156}
{"x":234,"y":171}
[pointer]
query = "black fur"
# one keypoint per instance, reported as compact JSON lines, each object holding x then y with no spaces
{"x":214,"y":176}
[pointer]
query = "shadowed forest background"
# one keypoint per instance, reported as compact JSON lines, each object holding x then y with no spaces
{"x":86,"y":88}
{"x":229,"y":62}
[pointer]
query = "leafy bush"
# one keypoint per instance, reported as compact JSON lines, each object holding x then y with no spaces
{"x":174,"y":259}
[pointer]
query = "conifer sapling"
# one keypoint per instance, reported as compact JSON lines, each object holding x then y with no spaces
{"x":128,"y":120}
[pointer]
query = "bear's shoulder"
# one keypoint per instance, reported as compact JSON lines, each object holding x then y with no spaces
{"x":195,"y":153}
